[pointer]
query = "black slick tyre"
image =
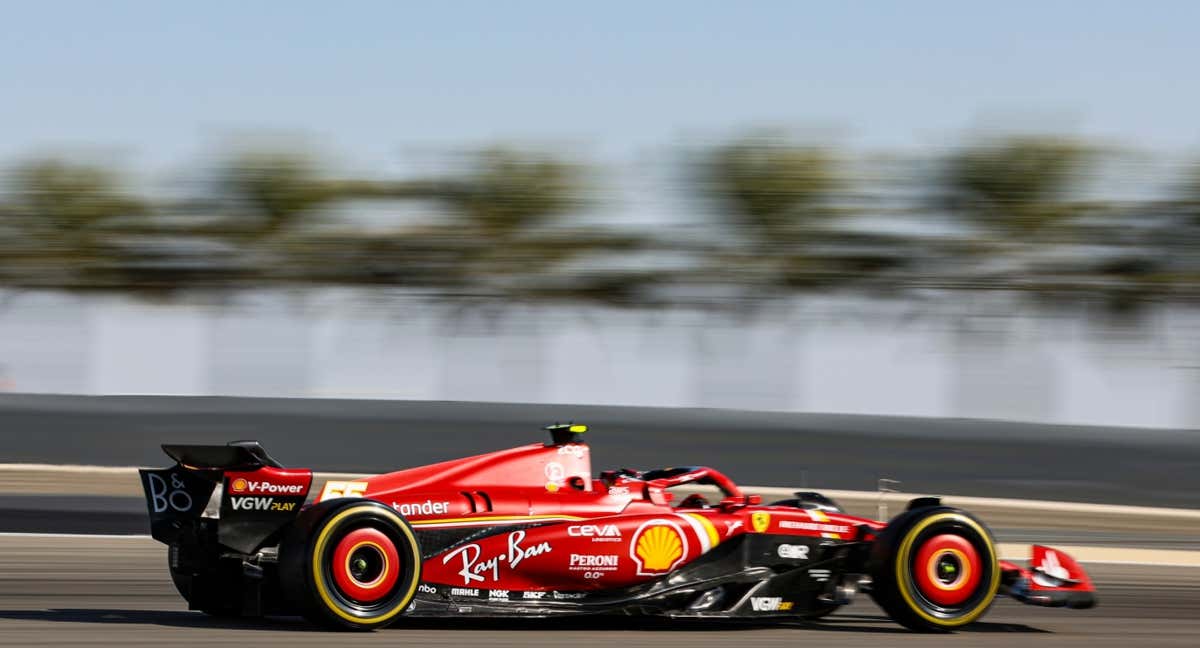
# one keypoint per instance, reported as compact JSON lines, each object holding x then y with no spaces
{"x":350,"y":564}
{"x":934,"y":569}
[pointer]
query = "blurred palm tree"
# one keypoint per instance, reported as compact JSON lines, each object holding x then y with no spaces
{"x":512,"y":220}
{"x":772,"y":192}
{"x":502,"y":237}
{"x":1018,"y":188}
{"x":787,"y":208}
{"x":290,"y":223}
{"x":504,"y":228}
{"x":1181,"y":240}
{"x":1035,"y":234}
{"x":1026,"y":228}
{"x":786,"y":214}
{"x":500,"y":230}
{"x":69,"y":226}
{"x":270,"y":191}
{"x":1189,"y":196}
{"x":73,"y":226}
{"x":263,"y":207}
{"x":506,"y":191}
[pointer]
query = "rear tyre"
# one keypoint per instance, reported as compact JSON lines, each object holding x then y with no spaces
{"x":350,"y":564}
{"x":934,"y":569}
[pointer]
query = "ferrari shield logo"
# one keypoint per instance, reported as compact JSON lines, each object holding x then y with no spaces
{"x":760,"y":521}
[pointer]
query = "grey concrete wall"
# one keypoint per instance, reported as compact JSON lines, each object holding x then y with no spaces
{"x":965,"y":457}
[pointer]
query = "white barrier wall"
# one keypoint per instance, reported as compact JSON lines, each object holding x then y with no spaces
{"x":935,"y":358}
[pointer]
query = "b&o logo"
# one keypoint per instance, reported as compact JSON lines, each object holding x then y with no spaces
{"x":163,"y":497}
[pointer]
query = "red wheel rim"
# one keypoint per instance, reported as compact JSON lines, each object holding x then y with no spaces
{"x":365,"y":565}
{"x":947,"y":569}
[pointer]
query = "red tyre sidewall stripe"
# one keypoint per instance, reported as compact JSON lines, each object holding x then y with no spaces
{"x":340,"y":565}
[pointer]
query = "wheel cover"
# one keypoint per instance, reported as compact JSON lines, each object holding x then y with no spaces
{"x":365,"y":565}
{"x":324,"y":578}
{"x":947,"y":569}
{"x":906,"y":579}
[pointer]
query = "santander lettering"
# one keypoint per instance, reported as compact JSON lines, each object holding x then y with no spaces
{"x":428,"y":507}
{"x":477,"y":569}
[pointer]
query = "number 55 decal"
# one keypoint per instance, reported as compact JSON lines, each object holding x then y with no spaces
{"x":336,"y":489}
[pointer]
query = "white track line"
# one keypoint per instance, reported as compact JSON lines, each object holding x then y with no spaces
{"x":1110,"y":555}
{"x":67,"y":468}
{"x":97,"y":536}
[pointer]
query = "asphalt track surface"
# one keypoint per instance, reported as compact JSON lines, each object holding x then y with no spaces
{"x":964,"y":457}
{"x":103,"y":591}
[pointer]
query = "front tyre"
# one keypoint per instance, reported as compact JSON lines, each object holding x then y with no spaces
{"x":935,"y":569}
{"x":350,"y":564}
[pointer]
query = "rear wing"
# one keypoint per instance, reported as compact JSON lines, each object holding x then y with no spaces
{"x":235,"y":455}
{"x":257,"y":495}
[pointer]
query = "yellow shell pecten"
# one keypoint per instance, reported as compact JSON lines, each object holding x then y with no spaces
{"x":659,"y":548}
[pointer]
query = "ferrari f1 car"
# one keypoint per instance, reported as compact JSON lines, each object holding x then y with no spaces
{"x":528,"y":532}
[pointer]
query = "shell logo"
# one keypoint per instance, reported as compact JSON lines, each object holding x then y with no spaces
{"x":658,"y":546}
{"x":238,"y":485}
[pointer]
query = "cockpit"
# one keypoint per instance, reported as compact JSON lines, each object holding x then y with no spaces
{"x":695,"y":487}
{"x":690,"y":487}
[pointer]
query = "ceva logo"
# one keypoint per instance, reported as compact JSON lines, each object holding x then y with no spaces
{"x":594,"y":531}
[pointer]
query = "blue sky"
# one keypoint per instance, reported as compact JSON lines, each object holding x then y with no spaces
{"x":159,"y":82}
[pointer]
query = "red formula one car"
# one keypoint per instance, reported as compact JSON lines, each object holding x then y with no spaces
{"x":528,"y":532}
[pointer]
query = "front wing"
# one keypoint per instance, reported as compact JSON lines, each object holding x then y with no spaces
{"x":1053,"y":579}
